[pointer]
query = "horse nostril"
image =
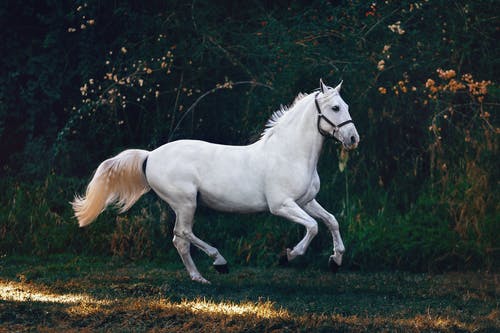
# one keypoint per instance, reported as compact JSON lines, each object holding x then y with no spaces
{"x":353,"y":139}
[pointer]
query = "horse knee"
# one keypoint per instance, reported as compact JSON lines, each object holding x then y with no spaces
{"x":313,"y":228}
{"x":333,"y":223}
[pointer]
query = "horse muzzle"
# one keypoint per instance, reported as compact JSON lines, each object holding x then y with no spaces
{"x":349,"y":137}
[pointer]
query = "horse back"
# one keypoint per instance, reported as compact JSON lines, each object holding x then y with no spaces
{"x":227,"y":178}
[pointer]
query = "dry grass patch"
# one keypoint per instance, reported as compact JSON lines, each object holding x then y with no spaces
{"x":141,"y":297}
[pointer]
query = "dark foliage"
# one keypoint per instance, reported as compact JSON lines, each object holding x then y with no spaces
{"x":84,"y":80}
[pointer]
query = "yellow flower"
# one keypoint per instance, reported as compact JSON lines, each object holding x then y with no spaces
{"x":455,"y":85}
{"x":430,"y":84}
{"x":396,"y":27}
{"x":382,"y":90}
{"x":381,"y":65}
{"x":446,"y":75}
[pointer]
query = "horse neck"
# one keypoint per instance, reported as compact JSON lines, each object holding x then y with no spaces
{"x":300,"y":137}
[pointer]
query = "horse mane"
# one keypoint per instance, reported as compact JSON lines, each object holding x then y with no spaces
{"x":278,"y":115}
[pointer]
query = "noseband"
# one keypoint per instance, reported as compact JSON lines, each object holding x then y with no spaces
{"x":321,"y":116}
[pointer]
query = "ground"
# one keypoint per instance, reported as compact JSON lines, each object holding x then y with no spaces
{"x":74,"y":293}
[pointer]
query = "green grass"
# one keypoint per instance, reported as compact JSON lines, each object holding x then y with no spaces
{"x":74,"y":293}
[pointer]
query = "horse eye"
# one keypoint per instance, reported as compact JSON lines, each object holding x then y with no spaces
{"x":336,"y":108}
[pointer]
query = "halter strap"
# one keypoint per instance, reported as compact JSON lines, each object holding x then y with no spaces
{"x":322,"y":116}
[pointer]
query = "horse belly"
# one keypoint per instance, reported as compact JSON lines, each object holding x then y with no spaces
{"x":232,"y":202}
{"x":232,"y":190}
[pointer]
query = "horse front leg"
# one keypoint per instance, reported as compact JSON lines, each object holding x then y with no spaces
{"x":291,"y":211}
{"x":316,"y":210}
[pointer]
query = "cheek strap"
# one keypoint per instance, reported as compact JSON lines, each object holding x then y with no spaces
{"x":321,"y":116}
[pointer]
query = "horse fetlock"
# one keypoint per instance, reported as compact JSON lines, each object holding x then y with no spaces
{"x":340,"y":250}
{"x":213,"y":253}
{"x":292,"y":254}
{"x":337,"y":258}
{"x":219,"y":260}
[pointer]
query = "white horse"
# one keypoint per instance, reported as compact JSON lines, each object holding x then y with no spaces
{"x":276,"y":174}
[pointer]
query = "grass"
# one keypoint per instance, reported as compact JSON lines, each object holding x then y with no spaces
{"x":72,"y":293}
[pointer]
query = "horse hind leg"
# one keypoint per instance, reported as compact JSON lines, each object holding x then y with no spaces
{"x":184,"y":237}
{"x":184,"y":212}
{"x":183,"y":247}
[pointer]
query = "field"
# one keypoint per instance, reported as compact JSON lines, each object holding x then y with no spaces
{"x":417,"y":202}
{"x":71,"y":293}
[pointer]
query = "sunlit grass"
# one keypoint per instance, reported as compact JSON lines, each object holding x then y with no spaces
{"x":218,"y":314}
{"x":111,"y":297}
{"x":252,"y":313}
{"x":82,"y":303}
{"x":259,"y":310}
{"x":22,"y":292}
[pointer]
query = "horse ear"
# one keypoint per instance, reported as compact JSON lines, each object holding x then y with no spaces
{"x":322,"y":86}
{"x":337,"y":88}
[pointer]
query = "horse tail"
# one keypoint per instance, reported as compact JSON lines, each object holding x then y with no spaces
{"x":120,"y":180}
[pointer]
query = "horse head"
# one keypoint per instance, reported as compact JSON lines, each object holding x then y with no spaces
{"x":334,"y":119}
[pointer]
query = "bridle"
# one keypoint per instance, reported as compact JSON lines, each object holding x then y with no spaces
{"x":321,"y":116}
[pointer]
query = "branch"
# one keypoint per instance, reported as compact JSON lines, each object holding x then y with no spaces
{"x":380,"y":21}
{"x":211,"y":91}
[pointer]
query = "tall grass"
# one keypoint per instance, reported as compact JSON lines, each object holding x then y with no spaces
{"x":36,"y":220}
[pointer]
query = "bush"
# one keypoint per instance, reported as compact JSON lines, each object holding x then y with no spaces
{"x":420,"y":192}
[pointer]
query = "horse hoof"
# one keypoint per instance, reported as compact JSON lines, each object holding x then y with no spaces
{"x":283,"y":260}
{"x":334,"y":267}
{"x":222,"y":269}
{"x":200,"y":279}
